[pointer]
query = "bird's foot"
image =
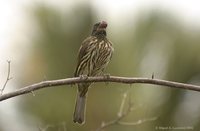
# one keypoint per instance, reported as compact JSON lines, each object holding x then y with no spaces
{"x":107,"y":75}
{"x":83,"y":77}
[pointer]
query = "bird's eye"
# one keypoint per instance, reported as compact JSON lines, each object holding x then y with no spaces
{"x":97,"y":24}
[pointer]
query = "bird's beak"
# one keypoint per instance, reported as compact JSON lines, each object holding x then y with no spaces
{"x":103,"y":24}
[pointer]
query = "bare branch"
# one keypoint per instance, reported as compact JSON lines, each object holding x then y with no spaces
{"x":122,"y":114}
{"x":61,"y":126}
{"x":45,"y":128}
{"x":70,"y":81}
{"x":7,"y":79}
{"x":137,"y":122}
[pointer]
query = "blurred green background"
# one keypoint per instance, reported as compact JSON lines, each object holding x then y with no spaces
{"x":156,"y":42}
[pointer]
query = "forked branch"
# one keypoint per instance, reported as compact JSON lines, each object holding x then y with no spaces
{"x":7,"y":79}
{"x":122,"y":114}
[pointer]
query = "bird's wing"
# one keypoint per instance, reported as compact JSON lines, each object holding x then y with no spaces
{"x":84,"y":52}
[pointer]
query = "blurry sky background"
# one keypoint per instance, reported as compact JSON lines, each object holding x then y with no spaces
{"x":42,"y":38}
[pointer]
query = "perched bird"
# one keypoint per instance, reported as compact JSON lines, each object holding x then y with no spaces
{"x":94,"y":55}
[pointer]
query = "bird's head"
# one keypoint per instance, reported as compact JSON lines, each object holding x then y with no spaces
{"x":99,"y":29}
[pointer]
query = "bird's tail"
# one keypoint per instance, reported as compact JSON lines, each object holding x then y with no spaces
{"x":79,"y":111}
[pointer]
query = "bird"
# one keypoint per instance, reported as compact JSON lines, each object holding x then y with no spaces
{"x":93,"y":57}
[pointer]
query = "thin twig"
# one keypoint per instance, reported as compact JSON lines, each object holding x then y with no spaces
{"x":137,"y":122}
{"x":7,"y":79}
{"x":122,"y":105}
{"x":45,"y":128}
{"x":122,"y":114}
{"x":70,"y":81}
{"x":60,"y":126}
{"x":64,"y":126}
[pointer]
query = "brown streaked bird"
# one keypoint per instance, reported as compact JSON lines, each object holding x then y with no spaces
{"x":94,"y":55}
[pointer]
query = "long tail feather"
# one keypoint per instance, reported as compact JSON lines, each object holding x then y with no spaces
{"x":79,"y":111}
